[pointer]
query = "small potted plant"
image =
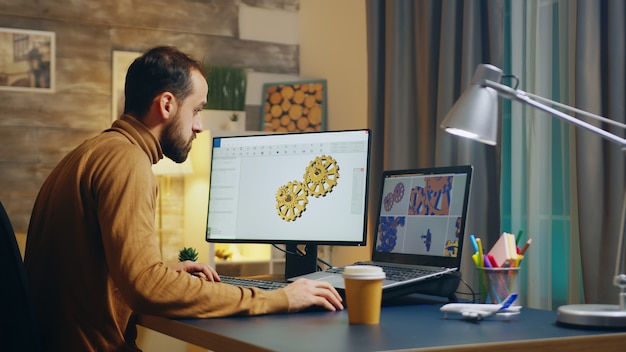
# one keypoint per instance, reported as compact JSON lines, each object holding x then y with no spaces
{"x":227,"y":97}
{"x":187,"y":254}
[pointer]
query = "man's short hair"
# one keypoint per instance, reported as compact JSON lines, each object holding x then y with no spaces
{"x":160,"y":69}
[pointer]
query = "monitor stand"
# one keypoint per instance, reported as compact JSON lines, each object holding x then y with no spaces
{"x":296,"y":265}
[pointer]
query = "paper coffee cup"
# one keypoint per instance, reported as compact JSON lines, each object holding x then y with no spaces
{"x":364,"y":290}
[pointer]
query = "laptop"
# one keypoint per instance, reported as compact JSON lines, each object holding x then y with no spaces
{"x":421,"y":226}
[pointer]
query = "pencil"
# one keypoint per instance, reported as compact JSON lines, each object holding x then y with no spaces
{"x":523,"y":250}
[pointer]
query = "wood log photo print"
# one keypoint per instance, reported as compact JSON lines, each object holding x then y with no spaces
{"x":294,"y":106}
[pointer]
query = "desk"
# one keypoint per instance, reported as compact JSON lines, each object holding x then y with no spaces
{"x":406,"y":327}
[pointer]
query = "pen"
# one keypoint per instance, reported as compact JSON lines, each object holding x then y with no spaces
{"x":519,"y":235}
{"x":492,"y":260}
{"x":523,"y":250}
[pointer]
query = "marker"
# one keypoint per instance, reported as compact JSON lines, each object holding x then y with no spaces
{"x":486,"y":261}
{"x":492,"y":260}
{"x":473,"y":239}
{"x":480,"y":251}
{"x":475,"y":259}
{"x":519,"y":235}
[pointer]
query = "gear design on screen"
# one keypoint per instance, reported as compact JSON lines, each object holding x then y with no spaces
{"x":388,"y":232}
{"x":320,"y":177}
{"x":291,"y":200}
{"x":395,"y":196}
{"x":433,"y":199}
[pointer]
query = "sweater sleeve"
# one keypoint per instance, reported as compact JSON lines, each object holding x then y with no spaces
{"x":126,"y":202}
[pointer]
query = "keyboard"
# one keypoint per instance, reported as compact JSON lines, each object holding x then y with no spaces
{"x":394,"y":273}
{"x":262,"y":284}
{"x":403,"y":274}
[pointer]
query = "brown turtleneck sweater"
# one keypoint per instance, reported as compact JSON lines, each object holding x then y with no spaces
{"x":92,"y":256}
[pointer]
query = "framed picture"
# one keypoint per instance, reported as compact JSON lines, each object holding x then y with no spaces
{"x":27,"y":60}
{"x":294,"y":106}
{"x":121,"y":60}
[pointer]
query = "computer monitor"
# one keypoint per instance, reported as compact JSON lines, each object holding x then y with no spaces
{"x":290,"y":188}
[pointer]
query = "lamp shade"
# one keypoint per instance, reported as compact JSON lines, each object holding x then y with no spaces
{"x":475,"y":113}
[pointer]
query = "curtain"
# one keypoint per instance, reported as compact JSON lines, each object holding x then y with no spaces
{"x":536,"y":154}
{"x":421,"y":55}
{"x":563,"y":185}
{"x":599,"y":81}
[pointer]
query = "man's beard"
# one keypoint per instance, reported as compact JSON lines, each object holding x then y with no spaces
{"x":173,"y":144}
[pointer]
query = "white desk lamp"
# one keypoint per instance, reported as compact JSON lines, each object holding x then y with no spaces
{"x":475,"y":116}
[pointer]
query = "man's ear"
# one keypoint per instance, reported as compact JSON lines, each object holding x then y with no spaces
{"x":167,"y":105}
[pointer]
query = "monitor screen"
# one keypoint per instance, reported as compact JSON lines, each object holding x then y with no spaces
{"x":291,"y":188}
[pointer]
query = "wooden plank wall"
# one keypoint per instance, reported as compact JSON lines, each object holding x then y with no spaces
{"x":38,"y":129}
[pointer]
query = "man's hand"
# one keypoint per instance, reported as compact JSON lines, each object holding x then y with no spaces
{"x":200,"y":270}
{"x":304,"y":293}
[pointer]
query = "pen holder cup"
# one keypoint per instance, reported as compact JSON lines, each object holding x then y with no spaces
{"x":497,"y":283}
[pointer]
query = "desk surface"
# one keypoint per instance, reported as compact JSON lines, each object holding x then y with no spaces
{"x":408,"y":327}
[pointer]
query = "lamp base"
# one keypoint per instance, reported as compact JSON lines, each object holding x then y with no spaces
{"x":592,"y":316}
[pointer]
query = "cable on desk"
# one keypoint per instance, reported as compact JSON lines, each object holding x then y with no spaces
{"x":323,"y":262}
{"x":285,"y":251}
{"x":302,"y":254}
{"x":473,"y":294}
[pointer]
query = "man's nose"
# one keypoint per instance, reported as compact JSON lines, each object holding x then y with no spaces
{"x":197,"y":124}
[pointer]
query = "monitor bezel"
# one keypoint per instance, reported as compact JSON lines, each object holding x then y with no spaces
{"x":294,"y":242}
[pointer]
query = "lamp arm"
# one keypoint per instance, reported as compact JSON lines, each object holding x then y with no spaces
{"x":522,"y":97}
{"x":620,"y":276}
{"x":576,"y":110}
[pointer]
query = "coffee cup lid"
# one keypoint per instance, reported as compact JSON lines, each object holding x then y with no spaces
{"x":363,"y":272}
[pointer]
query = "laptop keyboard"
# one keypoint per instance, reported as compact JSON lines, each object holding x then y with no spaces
{"x":262,"y":284}
{"x":396,"y":273}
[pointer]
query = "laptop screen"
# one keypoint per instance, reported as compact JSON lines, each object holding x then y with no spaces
{"x":421,"y":217}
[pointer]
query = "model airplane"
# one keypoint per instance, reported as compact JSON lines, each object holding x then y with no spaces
{"x":474,"y":311}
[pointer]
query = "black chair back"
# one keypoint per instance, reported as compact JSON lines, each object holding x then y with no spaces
{"x":18,"y":328}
